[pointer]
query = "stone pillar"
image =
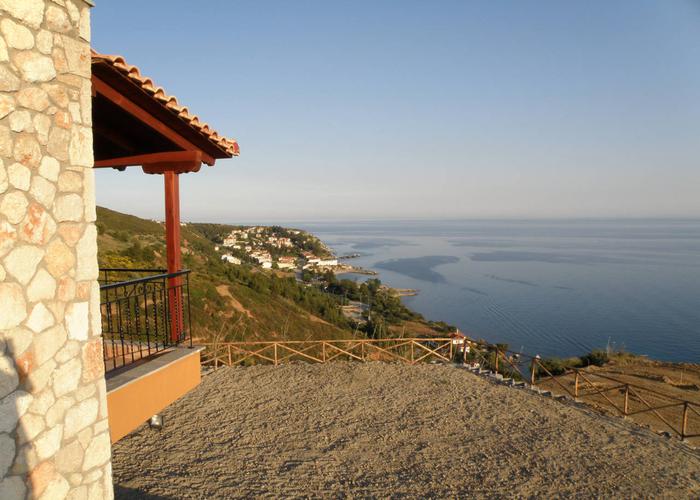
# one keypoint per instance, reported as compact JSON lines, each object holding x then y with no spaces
{"x":54,"y":439}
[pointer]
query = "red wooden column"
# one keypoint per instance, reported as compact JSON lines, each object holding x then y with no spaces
{"x":172,"y":243}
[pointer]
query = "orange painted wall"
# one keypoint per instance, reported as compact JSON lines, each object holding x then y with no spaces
{"x":133,"y":404}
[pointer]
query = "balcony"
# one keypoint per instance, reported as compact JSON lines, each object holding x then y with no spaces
{"x":144,"y":312}
{"x":147,"y":343}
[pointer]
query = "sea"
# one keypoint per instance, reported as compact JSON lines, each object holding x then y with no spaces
{"x":553,"y":288}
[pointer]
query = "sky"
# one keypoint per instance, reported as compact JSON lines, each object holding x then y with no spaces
{"x":422,"y":109}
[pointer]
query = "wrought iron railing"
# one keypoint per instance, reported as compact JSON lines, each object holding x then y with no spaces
{"x":142,"y":315}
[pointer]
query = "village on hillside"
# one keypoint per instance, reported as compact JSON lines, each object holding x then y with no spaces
{"x":275,"y":247}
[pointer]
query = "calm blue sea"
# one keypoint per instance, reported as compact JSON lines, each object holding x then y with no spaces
{"x":546,"y":287}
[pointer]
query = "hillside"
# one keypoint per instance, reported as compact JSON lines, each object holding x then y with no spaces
{"x":241,"y":302}
{"x":246,"y":302}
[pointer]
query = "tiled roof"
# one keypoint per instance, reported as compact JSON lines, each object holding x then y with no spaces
{"x":168,"y":101}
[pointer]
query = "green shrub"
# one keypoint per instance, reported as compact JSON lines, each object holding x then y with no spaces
{"x":595,"y":358}
{"x":120,"y":235}
{"x":559,"y":366}
{"x":441,"y":326}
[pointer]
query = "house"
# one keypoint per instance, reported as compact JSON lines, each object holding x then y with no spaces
{"x":231,"y":259}
{"x":327,"y":262}
{"x":229,"y":241}
{"x":263,"y":258}
{"x":312,"y":261}
{"x":310,"y":258}
{"x":286,"y":262}
{"x":61,"y":315}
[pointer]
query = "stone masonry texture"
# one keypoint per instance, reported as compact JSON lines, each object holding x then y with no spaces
{"x":54,"y":440}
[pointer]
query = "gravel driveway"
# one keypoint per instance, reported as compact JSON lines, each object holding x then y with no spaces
{"x":379,"y":430}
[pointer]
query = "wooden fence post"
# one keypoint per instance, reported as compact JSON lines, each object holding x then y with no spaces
{"x":412,"y":343}
{"x":533,"y":371}
{"x":275,"y":349}
{"x":627,"y":399}
{"x":323,"y":352}
{"x":576,"y":386}
{"x":229,"y":355}
{"x":684,"y":424}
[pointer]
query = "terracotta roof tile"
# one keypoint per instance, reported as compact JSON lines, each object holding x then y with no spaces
{"x":168,"y":101}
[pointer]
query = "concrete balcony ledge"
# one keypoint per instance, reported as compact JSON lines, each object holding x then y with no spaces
{"x":140,"y":390}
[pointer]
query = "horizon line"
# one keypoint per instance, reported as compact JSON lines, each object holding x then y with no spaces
{"x":455,"y":219}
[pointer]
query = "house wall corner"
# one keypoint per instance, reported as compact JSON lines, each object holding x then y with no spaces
{"x":54,"y":436}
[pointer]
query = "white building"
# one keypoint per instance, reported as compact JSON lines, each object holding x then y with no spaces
{"x":327,"y":262}
{"x":313,"y":261}
{"x":231,"y":259}
{"x":286,"y":263}
{"x":263,"y":258}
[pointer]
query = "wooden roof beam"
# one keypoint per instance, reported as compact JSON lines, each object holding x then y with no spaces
{"x":112,"y":136}
{"x":157,"y":163}
{"x":144,"y":116}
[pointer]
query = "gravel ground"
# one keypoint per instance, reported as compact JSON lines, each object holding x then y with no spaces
{"x":390,"y":430}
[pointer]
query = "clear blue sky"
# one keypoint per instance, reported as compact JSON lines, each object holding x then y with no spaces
{"x":423,"y":109}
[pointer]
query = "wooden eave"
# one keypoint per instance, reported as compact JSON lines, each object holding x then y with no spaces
{"x":170,"y":130}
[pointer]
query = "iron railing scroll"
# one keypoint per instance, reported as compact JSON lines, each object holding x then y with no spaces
{"x":139,"y":316}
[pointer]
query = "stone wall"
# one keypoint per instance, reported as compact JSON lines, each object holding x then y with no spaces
{"x":54,"y":439}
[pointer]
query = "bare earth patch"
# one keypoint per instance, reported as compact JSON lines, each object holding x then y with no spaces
{"x":377,"y":429}
{"x":223,"y":290}
{"x":316,"y":319}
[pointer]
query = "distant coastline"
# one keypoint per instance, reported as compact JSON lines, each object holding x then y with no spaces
{"x":550,"y":287}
